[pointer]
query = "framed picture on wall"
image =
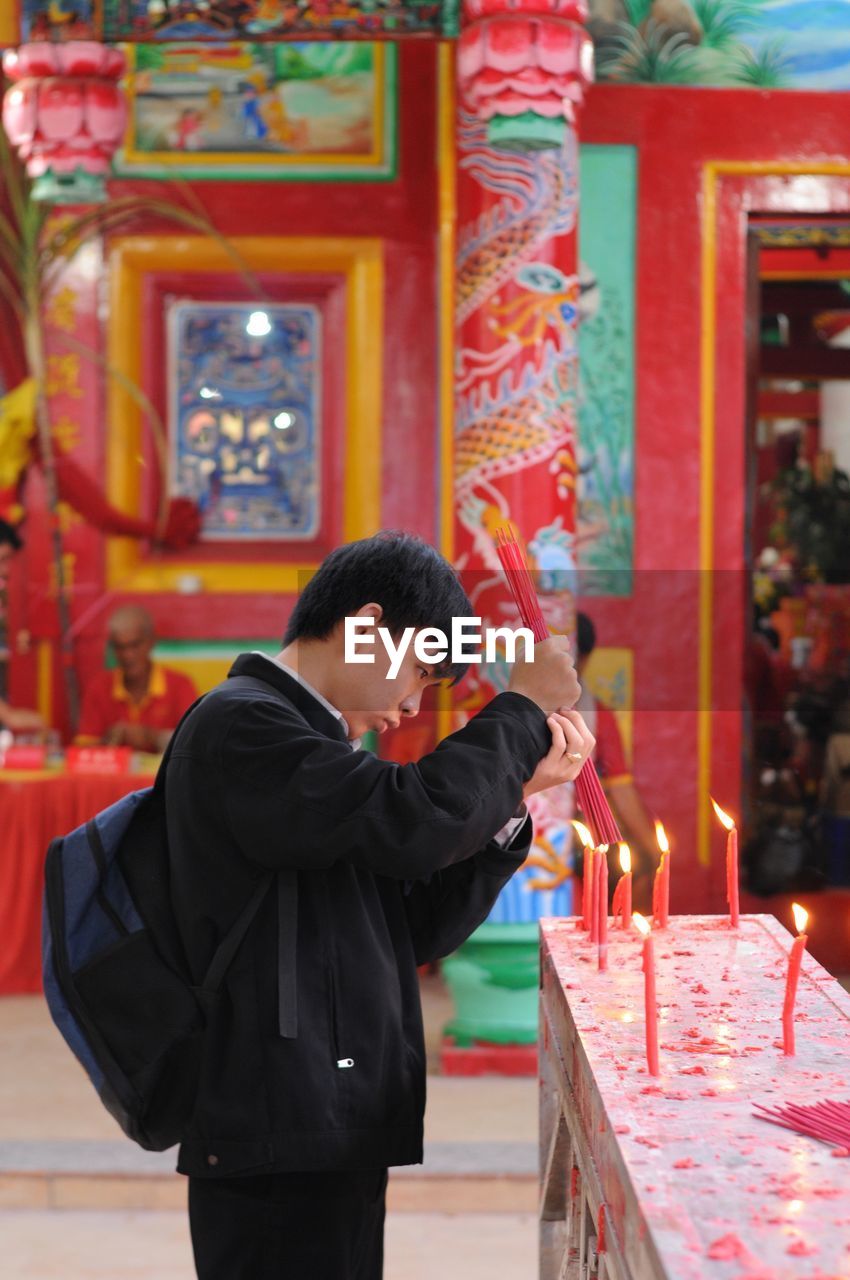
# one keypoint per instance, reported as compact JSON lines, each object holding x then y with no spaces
{"x":271,"y":19}
{"x":47,"y":19}
{"x":245,"y":417}
{"x":269,"y":395}
{"x":268,"y":111}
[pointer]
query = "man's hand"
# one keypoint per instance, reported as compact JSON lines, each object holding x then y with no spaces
{"x":126,"y":733}
{"x":550,"y":680}
{"x":20,"y":720}
{"x":570,"y":738}
{"x":140,"y":737}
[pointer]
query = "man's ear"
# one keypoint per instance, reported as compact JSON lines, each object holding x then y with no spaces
{"x":371,"y":610}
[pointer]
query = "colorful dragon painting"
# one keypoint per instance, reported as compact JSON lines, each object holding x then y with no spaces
{"x":515,"y":421}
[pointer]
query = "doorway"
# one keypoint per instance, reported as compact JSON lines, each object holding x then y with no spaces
{"x":797,"y":537}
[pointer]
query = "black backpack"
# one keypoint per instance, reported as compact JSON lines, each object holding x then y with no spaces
{"x":115,"y":977}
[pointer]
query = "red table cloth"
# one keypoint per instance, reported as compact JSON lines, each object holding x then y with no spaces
{"x":33,"y":810}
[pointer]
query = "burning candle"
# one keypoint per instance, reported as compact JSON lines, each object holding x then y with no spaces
{"x":731,"y":864}
{"x":587,"y":870}
{"x":662,"y":875}
{"x":602,"y":906}
{"x":589,"y":891}
{"x":622,"y":904}
{"x":795,"y":960}
{"x":649,"y":996}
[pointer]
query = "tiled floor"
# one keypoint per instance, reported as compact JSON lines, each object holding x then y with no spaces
{"x":155,"y":1246}
{"x":49,"y":1116}
{"x":45,"y":1096}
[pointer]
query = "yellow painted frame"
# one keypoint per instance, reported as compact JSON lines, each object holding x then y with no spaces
{"x":223,"y":160}
{"x":360,"y":262}
{"x":713,"y":173}
{"x":447,"y":217}
{"x":44,"y":679}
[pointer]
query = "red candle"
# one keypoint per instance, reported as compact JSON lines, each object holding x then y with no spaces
{"x":625,"y":863}
{"x":617,"y":901}
{"x":732,"y":873}
{"x":587,"y":887}
{"x":587,"y":871}
{"x":731,"y":864}
{"x":795,"y":960}
{"x":602,"y":906}
{"x":662,"y":914}
{"x":649,"y":995}
{"x":622,"y":904}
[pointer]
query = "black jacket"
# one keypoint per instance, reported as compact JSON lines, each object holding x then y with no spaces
{"x":385,"y":866}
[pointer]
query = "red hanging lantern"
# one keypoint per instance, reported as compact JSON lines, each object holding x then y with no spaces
{"x":65,"y":114}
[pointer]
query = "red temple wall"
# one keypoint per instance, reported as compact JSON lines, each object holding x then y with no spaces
{"x":689,"y":450}
{"x":403,"y":214}
{"x":705,"y":158}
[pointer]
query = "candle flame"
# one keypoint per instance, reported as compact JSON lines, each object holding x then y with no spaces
{"x":625,"y":859}
{"x":641,"y":923}
{"x":583,"y":834}
{"x":801,"y":917}
{"x":661,"y":837}
{"x":727,"y":821}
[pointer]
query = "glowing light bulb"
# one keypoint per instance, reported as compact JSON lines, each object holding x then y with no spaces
{"x":258,"y":325}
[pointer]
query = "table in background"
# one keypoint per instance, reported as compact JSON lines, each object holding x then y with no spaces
{"x":34,"y":808}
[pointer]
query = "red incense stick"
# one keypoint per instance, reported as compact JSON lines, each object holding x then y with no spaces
{"x":591,"y":797}
{"x":826,"y":1121}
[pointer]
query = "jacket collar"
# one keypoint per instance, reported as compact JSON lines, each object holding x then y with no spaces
{"x":259,"y":667}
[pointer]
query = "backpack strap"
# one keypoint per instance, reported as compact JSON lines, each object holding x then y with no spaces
{"x":159,"y":780}
{"x":287,"y":953}
{"x":226,"y":950}
{"x":287,"y":930}
{"x":287,"y":927}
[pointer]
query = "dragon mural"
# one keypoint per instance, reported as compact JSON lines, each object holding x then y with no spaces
{"x":516,"y":380}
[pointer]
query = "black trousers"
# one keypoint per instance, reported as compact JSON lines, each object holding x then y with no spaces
{"x":289,"y":1226}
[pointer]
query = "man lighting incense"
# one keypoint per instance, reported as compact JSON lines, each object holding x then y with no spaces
{"x":313,"y":1073}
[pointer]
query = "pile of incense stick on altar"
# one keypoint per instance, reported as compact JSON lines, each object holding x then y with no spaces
{"x":589,"y":793}
{"x":827,"y":1121}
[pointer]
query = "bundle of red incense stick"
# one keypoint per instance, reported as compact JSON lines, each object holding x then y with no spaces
{"x":826,"y":1121}
{"x":591,"y":797}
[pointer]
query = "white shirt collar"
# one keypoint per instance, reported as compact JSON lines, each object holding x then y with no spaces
{"x":305,"y":684}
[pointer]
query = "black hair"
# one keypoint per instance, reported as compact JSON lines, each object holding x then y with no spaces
{"x":585,"y":635}
{"x":8,"y":533}
{"x":414,"y":585}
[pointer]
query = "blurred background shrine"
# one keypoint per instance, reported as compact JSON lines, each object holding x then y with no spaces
{"x":276,"y":276}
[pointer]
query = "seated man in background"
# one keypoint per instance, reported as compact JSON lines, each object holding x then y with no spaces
{"x":18,"y":719}
{"x":139,"y":703}
{"x":616,"y":777}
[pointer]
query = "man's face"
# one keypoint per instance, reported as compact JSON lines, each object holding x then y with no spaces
{"x":132,"y":646}
{"x":7,"y":551}
{"x":370,"y":701}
